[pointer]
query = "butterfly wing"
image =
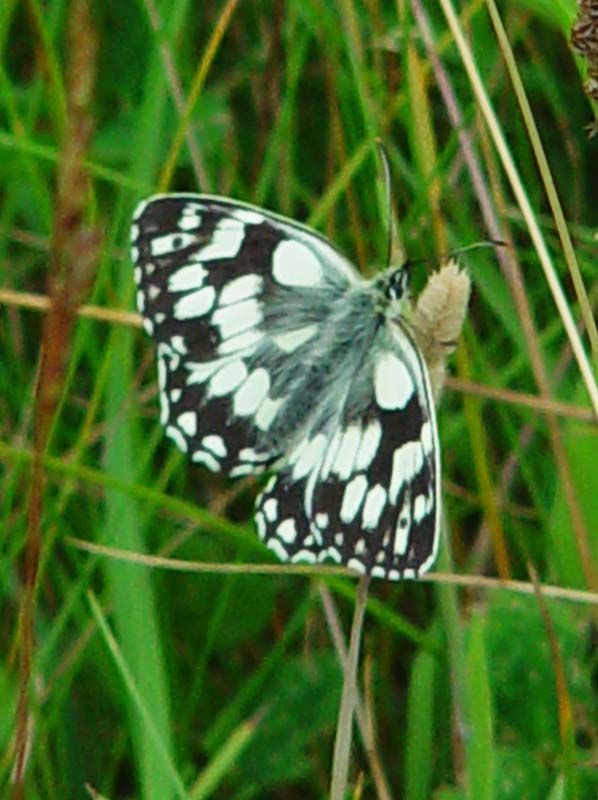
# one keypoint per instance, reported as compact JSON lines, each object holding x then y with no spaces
{"x":232,"y":295}
{"x":365,"y":489}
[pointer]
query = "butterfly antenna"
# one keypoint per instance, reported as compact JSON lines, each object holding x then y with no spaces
{"x":383,"y":155}
{"x":452,"y":253}
{"x":475,"y":246}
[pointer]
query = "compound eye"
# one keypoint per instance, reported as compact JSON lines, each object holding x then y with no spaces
{"x":398,"y":284}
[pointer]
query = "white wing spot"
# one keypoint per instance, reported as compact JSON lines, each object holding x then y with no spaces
{"x":189,"y":221}
{"x":137,"y":274}
{"x":402,"y":530}
{"x":271,"y":509}
{"x":322,"y":519}
{"x":287,"y":342}
{"x":369,"y":445}
{"x":177,"y":437}
{"x":187,"y":422}
{"x":287,"y":531}
{"x":185,"y":278}
{"x":207,"y":459}
{"x":237,"y":317}
{"x":260,"y":524}
{"x":330,"y":552}
{"x":150,"y":268}
{"x":421,"y":507}
{"x":242,"y":469}
{"x":153,"y":292}
{"x":304,"y":555}
{"x":241,"y":289}
{"x":227,"y":379}
{"x":134,"y":233}
{"x":343,"y":463}
{"x":277,"y":547}
{"x":352,"y":498}
{"x":249,"y":454}
{"x":294,"y":264}
{"x":175,"y":395}
{"x":248,"y":216}
{"x":195,"y":304}
{"x":226,"y":240}
{"x":171,"y":242}
{"x":215,"y":444}
{"x":357,"y":565}
{"x":407,"y":461}
{"x":426,"y":437}
{"x":307,"y":456}
{"x":251,"y":394}
{"x":198,"y":372}
{"x":330,"y":455}
{"x":134,"y":255}
{"x":243,"y":341}
{"x":373,"y":507}
{"x":140,"y":302}
{"x":162,"y":374}
{"x":164,"y":409}
{"x":392,"y":382}
{"x":178,"y":343}
{"x":359,"y":548}
{"x":266,"y":412}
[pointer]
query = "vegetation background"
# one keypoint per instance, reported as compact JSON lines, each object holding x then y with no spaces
{"x":192,"y":675}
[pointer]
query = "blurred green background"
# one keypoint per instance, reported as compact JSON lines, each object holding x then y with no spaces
{"x":145,"y":682}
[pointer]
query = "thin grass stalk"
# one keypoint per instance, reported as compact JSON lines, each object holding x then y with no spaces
{"x":196,"y":89}
{"x":518,"y":189}
{"x":364,"y":721}
{"x":476,"y":582}
{"x":73,"y":258}
{"x":565,"y":710}
{"x":150,"y":728}
{"x":176,"y":89}
{"x":509,"y":264}
{"x":344,"y":728}
{"x":546,"y":175}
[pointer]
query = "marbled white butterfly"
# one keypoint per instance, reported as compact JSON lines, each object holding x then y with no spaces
{"x":274,"y":354}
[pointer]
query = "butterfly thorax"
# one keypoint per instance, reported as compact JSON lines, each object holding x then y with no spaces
{"x":391,"y":290}
{"x":345,"y":338}
{"x":355,"y":326}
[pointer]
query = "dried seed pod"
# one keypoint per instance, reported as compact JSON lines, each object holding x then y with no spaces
{"x":438,"y":317}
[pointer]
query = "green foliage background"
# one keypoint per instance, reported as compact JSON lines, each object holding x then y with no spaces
{"x":162,"y":683}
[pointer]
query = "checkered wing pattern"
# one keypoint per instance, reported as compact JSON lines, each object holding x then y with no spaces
{"x":232,"y":296}
{"x":363,"y":490}
{"x":274,"y":354}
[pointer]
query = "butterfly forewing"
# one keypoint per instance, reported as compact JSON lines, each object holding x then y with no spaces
{"x":273,"y":352}
{"x":231,"y":294}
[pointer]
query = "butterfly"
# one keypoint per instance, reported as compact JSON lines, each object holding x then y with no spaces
{"x":275,"y":355}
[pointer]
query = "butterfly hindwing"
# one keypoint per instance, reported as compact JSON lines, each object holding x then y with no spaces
{"x":364,"y":492}
{"x":232,"y":296}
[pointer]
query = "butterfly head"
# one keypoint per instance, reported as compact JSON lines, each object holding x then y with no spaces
{"x":393,"y":285}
